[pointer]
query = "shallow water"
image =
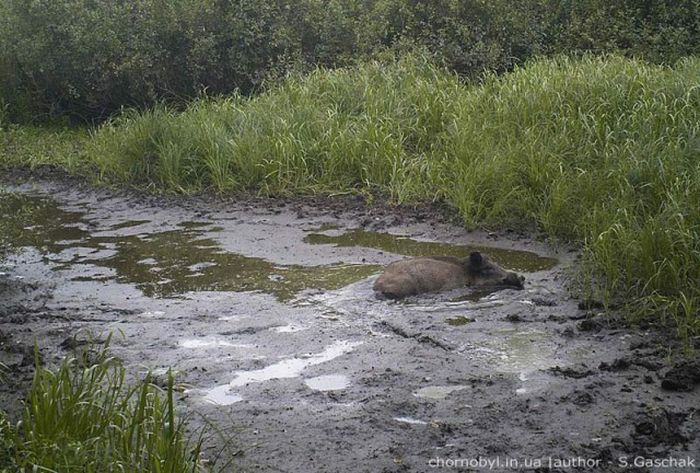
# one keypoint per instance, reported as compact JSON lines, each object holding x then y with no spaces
{"x":189,"y":258}
{"x":165,"y":263}
{"x":514,"y":260}
{"x":287,"y":368}
{"x":329,"y":382}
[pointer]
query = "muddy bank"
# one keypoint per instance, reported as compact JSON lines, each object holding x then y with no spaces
{"x":265,"y":310}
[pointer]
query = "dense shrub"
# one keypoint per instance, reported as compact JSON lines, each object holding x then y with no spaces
{"x":87,"y":58}
{"x":657,"y":30}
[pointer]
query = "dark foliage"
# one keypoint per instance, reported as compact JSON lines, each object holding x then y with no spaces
{"x":84,"y":59}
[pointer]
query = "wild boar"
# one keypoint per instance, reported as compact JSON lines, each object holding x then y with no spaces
{"x":440,"y":273}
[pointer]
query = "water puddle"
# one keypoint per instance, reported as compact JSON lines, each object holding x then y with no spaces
{"x":291,"y":328}
{"x":525,"y":354}
{"x":188,"y":259}
{"x":163,"y":264}
{"x":514,"y":260}
{"x":524,"y":351}
{"x":293,"y":367}
{"x":154,"y":314}
{"x":410,"y":420}
{"x":197,"y":343}
{"x":222,"y":396}
{"x":513,"y":351}
{"x":287,"y":368}
{"x":331,"y":382}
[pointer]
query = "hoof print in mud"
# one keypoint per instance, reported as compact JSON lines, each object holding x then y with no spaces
{"x":590,"y":325}
{"x":582,"y":398}
{"x":516,"y":318}
{"x":589,"y":304}
{"x":571,"y":372}
{"x":568,"y":332}
{"x":619,"y":364}
{"x":441,"y":273}
{"x":659,"y":428}
{"x":544,"y":301}
{"x":682,"y":377}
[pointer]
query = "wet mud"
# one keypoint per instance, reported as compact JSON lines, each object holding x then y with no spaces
{"x":264,"y":309}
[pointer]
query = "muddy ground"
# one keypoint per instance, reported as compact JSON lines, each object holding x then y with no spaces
{"x":264,"y":309}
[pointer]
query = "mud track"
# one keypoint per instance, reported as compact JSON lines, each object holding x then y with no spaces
{"x":265,"y":311}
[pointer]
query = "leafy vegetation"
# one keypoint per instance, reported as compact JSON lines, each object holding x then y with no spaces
{"x":86,"y":59}
{"x":83,"y":417}
{"x":370,"y":127}
{"x":36,"y":146}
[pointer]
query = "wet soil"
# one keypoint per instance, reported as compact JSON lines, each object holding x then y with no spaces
{"x":264,"y":309}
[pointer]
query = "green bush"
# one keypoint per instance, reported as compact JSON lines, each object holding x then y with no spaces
{"x":603,"y":152}
{"x":87,"y":58}
{"x":372,"y":126}
{"x":658,"y":30}
{"x":34,"y":146}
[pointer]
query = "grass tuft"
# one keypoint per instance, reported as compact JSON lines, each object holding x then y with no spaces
{"x":84,"y":418}
{"x":604,"y":152}
{"x":369,"y":127}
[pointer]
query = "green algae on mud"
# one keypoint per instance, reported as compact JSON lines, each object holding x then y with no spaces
{"x":166,"y":263}
{"x":516,"y":260}
{"x":458,"y":321}
{"x":175,"y":262}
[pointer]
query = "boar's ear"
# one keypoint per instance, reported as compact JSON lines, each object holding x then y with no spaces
{"x":476,"y":259}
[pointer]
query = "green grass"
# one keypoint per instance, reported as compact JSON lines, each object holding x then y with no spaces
{"x":37,"y":146}
{"x":365,"y":128}
{"x":85,"y":418}
{"x":603,"y":153}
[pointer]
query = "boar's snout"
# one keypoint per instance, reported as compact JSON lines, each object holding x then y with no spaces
{"x":514,"y":280}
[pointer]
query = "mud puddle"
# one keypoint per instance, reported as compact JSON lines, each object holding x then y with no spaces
{"x":163,"y":263}
{"x":265,"y":311}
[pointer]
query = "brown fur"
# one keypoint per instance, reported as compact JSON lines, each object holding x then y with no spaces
{"x":440,"y":273}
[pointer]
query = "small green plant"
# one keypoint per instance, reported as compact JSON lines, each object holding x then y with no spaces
{"x":83,"y":417}
{"x":7,"y":442}
{"x":367,"y":128}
